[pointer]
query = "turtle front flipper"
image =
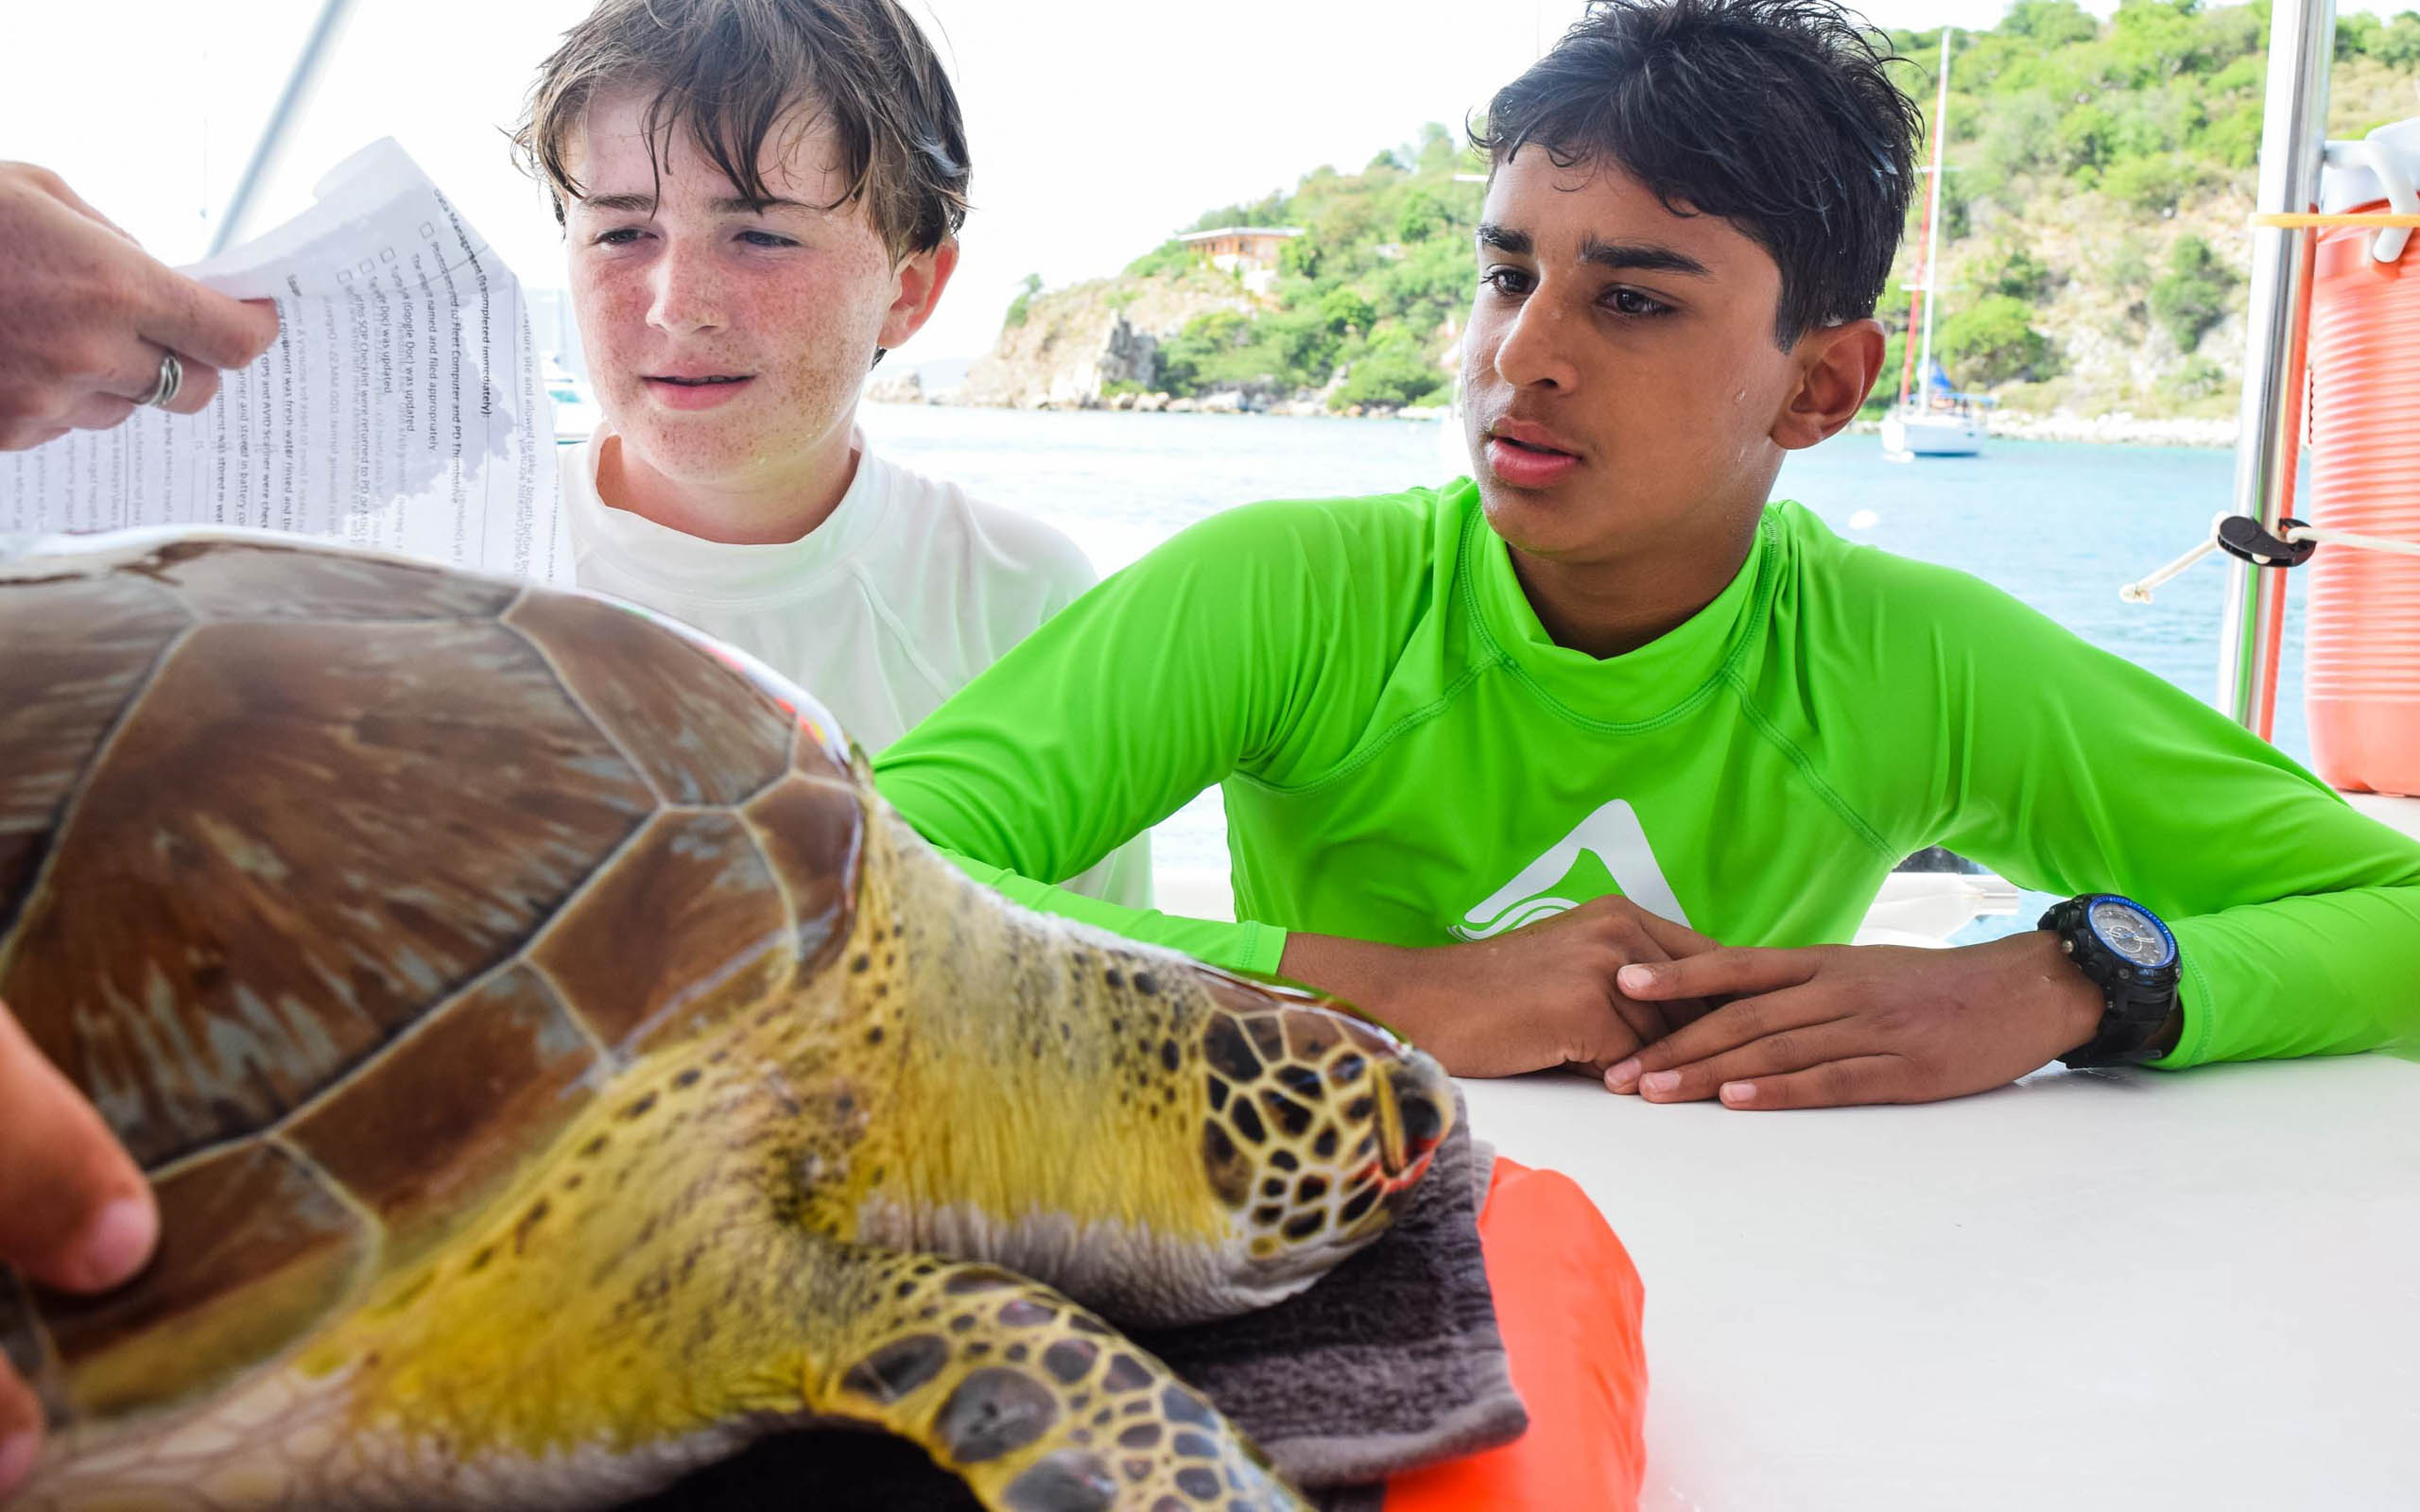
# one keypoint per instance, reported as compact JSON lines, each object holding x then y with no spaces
{"x":1038,"y":1405}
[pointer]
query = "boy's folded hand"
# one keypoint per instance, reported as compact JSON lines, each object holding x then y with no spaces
{"x":1843,"y":1024}
{"x":1532,"y":999}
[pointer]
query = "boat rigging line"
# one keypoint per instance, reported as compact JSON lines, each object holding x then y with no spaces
{"x":2240,"y":537}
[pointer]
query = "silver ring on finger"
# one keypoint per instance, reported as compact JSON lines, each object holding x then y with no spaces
{"x":172,"y":377}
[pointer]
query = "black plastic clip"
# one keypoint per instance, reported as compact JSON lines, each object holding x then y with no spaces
{"x":2240,"y":536}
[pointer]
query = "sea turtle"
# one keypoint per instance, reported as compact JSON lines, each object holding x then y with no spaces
{"x":558,"y":1067}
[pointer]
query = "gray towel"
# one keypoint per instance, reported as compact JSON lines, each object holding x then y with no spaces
{"x":1389,"y":1363}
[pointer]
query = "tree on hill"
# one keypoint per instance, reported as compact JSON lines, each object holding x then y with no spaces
{"x":2191,"y":296}
{"x":1347,"y":312}
{"x":1019,"y":306}
{"x":1992,"y":341}
{"x":1391,"y":371}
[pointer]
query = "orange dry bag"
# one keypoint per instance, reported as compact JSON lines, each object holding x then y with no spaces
{"x":1568,"y":1302}
{"x":2362,"y":651}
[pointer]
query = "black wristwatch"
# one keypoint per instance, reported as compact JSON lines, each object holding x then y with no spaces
{"x":2122,"y":949}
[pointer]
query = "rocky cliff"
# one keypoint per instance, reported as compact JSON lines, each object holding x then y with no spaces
{"x":1077,"y":344}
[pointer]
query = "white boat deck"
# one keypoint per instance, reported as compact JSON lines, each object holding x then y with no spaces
{"x":2090,"y":1290}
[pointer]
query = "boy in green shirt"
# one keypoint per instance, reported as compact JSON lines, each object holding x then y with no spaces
{"x":1587,"y":761}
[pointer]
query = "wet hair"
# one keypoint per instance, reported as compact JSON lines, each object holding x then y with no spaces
{"x":1777,"y":115}
{"x":730,"y":73}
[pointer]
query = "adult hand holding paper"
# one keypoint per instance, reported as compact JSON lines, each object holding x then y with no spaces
{"x":398,"y":405}
{"x":86,"y":316}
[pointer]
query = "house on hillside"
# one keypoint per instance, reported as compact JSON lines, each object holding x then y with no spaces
{"x":1248,"y":251}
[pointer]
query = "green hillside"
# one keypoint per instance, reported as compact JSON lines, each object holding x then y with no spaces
{"x":2095,"y":228}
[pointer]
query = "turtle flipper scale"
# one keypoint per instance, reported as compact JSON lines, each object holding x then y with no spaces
{"x":1036,"y":1404}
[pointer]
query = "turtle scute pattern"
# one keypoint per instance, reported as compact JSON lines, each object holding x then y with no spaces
{"x":1039,"y":1405}
{"x":556,"y":1067}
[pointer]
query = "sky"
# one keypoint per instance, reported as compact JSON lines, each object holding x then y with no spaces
{"x":1096,"y":126}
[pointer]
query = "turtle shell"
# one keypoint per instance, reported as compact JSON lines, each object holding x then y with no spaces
{"x":340,"y":883}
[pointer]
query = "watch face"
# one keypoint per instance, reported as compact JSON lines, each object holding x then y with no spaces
{"x":2131,"y":931}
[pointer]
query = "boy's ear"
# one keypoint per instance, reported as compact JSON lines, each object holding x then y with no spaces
{"x":922,"y":278}
{"x":1837,"y":366}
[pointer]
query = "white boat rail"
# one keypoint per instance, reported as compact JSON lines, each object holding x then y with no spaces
{"x":2293,"y":139}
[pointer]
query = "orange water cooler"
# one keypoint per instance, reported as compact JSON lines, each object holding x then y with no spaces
{"x":2363,"y":642}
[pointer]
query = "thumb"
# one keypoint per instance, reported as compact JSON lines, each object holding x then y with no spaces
{"x":75,"y":1211}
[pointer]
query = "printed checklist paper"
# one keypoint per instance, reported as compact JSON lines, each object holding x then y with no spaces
{"x":400,"y":406}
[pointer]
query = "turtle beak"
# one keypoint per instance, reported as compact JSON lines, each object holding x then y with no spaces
{"x":1413,"y":1118}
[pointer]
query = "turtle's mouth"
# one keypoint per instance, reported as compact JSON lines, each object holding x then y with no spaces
{"x":1411,"y":1122}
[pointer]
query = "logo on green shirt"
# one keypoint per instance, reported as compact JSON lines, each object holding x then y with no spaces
{"x":1607,"y":852}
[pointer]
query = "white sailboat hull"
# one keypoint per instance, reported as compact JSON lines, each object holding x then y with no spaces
{"x":1909,"y":435}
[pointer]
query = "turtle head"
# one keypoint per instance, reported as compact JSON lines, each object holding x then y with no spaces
{"x":1316,"y":1125}
{"x":1161,"y":1140}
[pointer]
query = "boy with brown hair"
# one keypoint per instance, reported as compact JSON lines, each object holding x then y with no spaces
{"x":761,"y":198}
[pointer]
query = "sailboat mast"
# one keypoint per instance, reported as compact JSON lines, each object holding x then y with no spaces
{"x":1932,"y":209}
{"x":1915,"y":317}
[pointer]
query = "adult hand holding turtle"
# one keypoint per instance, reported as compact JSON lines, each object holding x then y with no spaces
{"x":92,"y":327}
{"x":75,"y":1213}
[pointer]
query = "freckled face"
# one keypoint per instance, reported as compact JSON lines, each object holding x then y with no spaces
{"x":727,"y":341}
{"x":1620,"y":378}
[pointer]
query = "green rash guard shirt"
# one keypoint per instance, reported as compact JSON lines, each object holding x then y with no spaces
{"x":1406,"y":757}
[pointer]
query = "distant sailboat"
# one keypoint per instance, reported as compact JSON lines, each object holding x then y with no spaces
{"x":1932,"y":418}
